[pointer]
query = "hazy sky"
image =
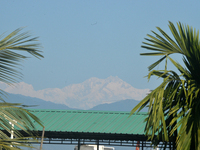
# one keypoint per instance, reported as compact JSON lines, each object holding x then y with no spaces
{"x":88,"y":38}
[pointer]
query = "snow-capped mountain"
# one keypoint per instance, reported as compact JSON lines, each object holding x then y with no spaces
{"x":85,"y":95}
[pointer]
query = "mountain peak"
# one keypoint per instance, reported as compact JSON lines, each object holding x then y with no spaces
{"x":113,"y":79}
{"x":85,"y":95}
{"x":109,"y":79}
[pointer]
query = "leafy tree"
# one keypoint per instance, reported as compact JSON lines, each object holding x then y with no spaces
{"x":174,"y":106}
{"x":14,"y":117}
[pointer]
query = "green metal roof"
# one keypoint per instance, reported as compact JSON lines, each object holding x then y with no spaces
{"x":91,"y":121}
{"x":84,"y":121}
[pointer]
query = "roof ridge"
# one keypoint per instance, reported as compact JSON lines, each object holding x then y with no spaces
{"x":85,"y":111}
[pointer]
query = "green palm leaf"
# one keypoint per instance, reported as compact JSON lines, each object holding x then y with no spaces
{"x":12,"y":47}
{"x":174,"y":113}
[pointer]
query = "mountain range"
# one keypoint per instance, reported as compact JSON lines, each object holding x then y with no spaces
{"x":32,"y":102}
{"x":123,"y":105}
{"x":85,"y":95}
{"x":36,"y":103}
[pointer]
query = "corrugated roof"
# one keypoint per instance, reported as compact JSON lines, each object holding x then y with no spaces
{"x":85,"y":121}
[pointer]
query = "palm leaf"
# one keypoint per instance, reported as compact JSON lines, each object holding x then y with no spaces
{"x":12,"y":47}
{"x":174,"y":105}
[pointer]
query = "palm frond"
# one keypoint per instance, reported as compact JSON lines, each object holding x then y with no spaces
{"x":174,"y":105}
{"x":10,"y":58}
{"x":12,"y":47}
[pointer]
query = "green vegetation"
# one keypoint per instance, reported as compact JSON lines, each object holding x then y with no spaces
{"x":174,"y":106}
{"x":13,"y":117}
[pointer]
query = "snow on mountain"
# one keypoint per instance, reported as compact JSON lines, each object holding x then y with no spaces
{"x":86,"y":95}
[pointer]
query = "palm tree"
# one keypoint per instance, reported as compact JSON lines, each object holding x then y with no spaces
{"x":174,"y":106}
{"x":13,"y":117}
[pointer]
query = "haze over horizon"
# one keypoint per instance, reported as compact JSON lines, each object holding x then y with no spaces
{"x":85,"y":95}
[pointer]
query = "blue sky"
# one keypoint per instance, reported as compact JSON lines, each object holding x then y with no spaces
{"x":84,"y":39}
